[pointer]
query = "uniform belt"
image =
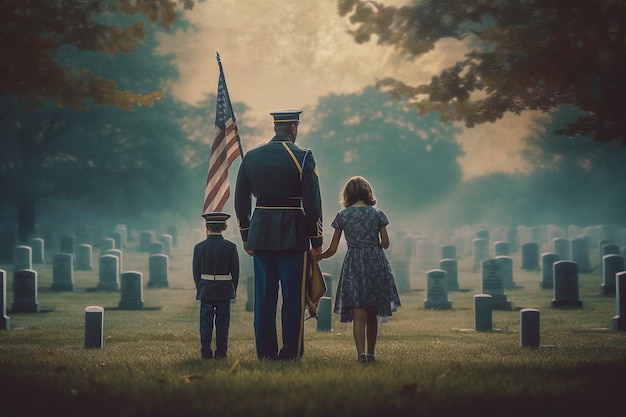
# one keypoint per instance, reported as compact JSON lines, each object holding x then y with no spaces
{"x":274,"y":202}
{"x":215,"y":277}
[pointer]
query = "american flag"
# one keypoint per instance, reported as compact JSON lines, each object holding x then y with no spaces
{"x":226,"y":148}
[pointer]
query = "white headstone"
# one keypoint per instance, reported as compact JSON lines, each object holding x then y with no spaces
{"x":493,"y":285}
{"x":5,"y":321}
{"x":22,"y":258}
{"x":547,"y":269}
{"x":131,"y":291}
{"x":565,"y":285}
{"x":611,"y":265}
{"x":94,"y":327}
{"x":62,"y":272}
{"x":437,"y":290}
{"x":109,"y":273}
{"x":529,"y":327}
{"x":25,"y":291}
{"x":158,"y":269}
{"x":84,"y":257}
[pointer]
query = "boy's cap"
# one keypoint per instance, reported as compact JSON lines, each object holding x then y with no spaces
{"x":286,"y":116}
{"x":216,"y":217}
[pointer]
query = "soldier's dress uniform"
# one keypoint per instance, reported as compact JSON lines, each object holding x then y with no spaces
{"x":287,"y":219}
{"x":215,"y":268}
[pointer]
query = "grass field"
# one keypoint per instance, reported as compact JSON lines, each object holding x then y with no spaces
{"x":430,"y":362}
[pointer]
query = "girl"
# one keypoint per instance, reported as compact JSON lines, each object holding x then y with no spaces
{"x":366,"y":287}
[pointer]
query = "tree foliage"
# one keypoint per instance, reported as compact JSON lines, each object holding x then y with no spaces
{"x":411,"y":160}
{"x":107,"y":159}
{"x":33,"y":31}
{"x":524,"y":55}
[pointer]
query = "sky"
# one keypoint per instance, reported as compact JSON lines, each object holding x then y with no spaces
{"x":279,"y":54}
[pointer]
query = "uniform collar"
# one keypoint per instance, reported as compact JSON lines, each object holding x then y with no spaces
{"x":281,"y":138}
{"x":215,"y":236}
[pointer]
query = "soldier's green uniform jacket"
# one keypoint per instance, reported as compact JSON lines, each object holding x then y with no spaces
{"x":288,"y":213}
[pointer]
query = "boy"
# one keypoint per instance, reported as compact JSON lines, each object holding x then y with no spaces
{"x":216,"y":275}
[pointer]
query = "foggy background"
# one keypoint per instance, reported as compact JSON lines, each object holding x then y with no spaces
{"x":148,"y":167}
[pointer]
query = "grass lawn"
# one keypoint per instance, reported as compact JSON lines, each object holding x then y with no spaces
{"x":430,"y":362}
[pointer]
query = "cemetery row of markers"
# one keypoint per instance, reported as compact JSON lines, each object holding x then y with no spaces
{"x":559,"y":271}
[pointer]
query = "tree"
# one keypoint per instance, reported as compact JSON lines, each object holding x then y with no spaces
{"x":524,"y":55}
{"x":105,"y":157}
{"x":411,"y":160}
{"x":32,"y":31}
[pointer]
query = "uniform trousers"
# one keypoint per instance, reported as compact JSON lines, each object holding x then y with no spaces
{"x":287,"y":270}
{"x":218,"y":312}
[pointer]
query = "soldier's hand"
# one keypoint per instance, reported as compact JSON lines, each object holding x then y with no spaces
{"x":248,"y":251}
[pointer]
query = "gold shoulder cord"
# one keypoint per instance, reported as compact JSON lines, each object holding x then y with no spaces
{"x":295,"y":161}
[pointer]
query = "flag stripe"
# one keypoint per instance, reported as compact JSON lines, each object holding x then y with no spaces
{"x":225,"y":149}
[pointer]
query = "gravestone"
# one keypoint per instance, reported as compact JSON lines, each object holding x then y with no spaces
{"x":158,"y":269}
{"x":426,"y":254}
{"x":529,"y":327}
{"x":173,"y":231}
{"x":106,"y":244}
{"x":167,"y":244}
{"x":250,"y":293}
{"x":560,"y":246}
{"x":512,"y":236}
{"x":119,"y":254}
{"x":109,"y":273}
{"x":67,"y":244}
{"x":25,"y":292}
{"x":493,"y":285}
{"x":611,"y":265}
{"x":506,"y":271}
{"x":122,"y":229}
{"x":482,"y":313}
{"x":448,"y":252}
{"x":324,"y":315}
{"x":22,"y":258}
{"x":328,"y":279}
{"x":547,"y":269}
{"x":37,"y":246}
{"x":437,"y":290}
{"x":84,"y":257}
{"x":482,"y":234}
{"x":118,"y":237}
{"x":530,"y":256}
{"x":62,"y":272}
{"x":480,"y":251}
{"x":131,"y":291}
{"x":619,"y":320}
{"x":145,"y":239}
{"x":452,"y":273}
{"x":5,"y":321}
{"x":609,"y":249}
{"x":400,"y":270}
{"x":580,"y":253}
{"x":94,"y":327}
{"x":156,"y":248}
{"x":502,"y":248}
{"x":565,"y":285}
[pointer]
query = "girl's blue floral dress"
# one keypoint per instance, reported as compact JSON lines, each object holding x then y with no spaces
{"x":366,"y":279}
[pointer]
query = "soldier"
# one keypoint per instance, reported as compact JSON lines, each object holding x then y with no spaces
{"x":282,"y":233}
{"x":215,"y":267}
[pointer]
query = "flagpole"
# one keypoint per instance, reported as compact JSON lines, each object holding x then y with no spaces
{"x":219,"y":63}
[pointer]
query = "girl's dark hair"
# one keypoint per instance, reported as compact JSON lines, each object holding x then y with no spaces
{"x":357,"y":188}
